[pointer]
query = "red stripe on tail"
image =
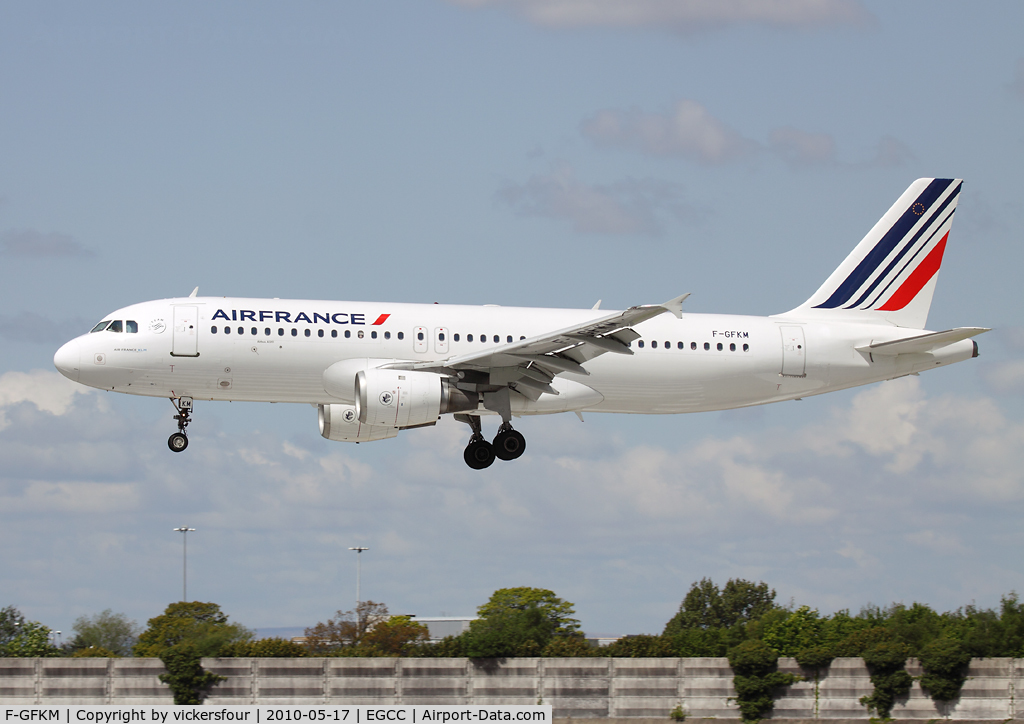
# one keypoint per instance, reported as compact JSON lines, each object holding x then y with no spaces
{"x":917,"y":279}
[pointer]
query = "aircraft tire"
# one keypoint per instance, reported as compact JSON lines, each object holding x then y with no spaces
{"x":177,"y":442}
{"x":509,"y":445}
{"x":479,"y":454}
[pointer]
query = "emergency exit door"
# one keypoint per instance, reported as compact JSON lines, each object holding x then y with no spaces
{"x":793,"y":352}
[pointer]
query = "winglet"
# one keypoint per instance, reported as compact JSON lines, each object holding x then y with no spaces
{"x":194,"y":292}
{"x":676,"y":305}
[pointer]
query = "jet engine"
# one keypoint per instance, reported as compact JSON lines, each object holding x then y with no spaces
{"x":400,"y":398}
{"x":339,"y":422}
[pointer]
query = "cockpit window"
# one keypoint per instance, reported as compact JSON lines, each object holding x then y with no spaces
{"x":115,"y":326}
{"x":101,"y":326}
{"x":131,"y":327}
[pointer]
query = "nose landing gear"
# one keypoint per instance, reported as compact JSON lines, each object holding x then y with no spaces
{"x":179,"y":440}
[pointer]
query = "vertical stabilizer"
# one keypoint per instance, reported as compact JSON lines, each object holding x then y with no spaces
{"x":890,"y":276}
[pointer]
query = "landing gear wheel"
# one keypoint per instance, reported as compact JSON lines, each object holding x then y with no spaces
{"x":177,"y":442}
{"x":509,"y":444}
{"x":479,"y":454}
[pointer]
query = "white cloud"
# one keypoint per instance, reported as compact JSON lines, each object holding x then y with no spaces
{"x":631,"y":206}
{"x":688,"y":130}
{"x":683,"y":16}
{"x":49,"y":391}
{"x":799,"y":148}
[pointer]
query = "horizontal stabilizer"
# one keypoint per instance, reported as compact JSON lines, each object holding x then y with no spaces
{"x":922,"y":343}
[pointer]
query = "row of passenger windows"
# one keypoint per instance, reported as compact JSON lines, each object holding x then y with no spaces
{"x":130,"y":326}
{"x":693,"y":345}
{"x":360,"y":334}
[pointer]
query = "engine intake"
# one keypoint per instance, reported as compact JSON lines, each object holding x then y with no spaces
{"x":400,"y":398}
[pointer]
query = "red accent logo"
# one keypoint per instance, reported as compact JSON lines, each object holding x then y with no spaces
{"x":381,"y":319}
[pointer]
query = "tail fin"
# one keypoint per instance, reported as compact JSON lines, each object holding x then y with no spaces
{"x":890,"y":276}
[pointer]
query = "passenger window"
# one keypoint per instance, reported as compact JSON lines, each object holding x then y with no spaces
{"x":101,"y":326}
{"x":509,"y":339}
{"x":693,"y":345}
{"x":419,"y":336}
{"x":373,"y":334}
{"x":719,"y":346}
{"x":334,"y":333}
{"x":295,"y":332}
{"x":707,"y":346}
{"x":732,"y":347}
{"x":746,"y":348}
{"x":320,"y":333}
{"x":522,"y":338}
{"x":115,"y":326}
{"x":131,"y":326}
{"x":496,"y":339}
{"x":469,"y":338}
{"x":254,"y":331}
{"x":241,"y":330}
{"x":401,"y":335}
{"x":307,"y":332}
{"x":455,"y":337}
{"x":280,"y":331}
{"x":483,"y":338}
{"x":440,"y":336}
{"x":213,"y":329}
{"x":227,"y":330}
{"x":680,"y":345}
{"x":267,"y":331}
{"x":387,"y":335}
{"x":654,"y":345}
{"x":360,"y":334}
{"x":640,"y":344}
{"x":348,"y":333}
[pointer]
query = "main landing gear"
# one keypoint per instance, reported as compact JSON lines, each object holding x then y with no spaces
{"x":508,"y":444}
{"x":179,"y":440}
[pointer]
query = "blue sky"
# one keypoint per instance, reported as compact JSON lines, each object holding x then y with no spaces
{"x":519,"y":153}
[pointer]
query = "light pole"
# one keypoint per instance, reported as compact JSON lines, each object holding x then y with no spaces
{"x":359,"y":557}
{"x":184,"y":530}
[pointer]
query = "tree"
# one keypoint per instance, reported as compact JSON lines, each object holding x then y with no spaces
{"x":21,"y":638}
{"x":347,"y":628}
{"x":799,"y":631}
{"x":107,"y":630}
{"x":707,"y":607}
{"x":509,"y":632}
{"x":558,"y":613}
{"x":203,"y":625}
{"x":395,"y":635}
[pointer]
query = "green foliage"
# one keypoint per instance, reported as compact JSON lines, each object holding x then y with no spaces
{"x":271,"y":648}
{"x":860,"y":641}
{"x":642,"y":646}
{"x":886,"y":663}
{"x":203,"y":625}
{"x":568,"y":647}
{"x":707,"y":607}
{"x":558,"y":612}
{"x":677,"y":714}
{"x":97,"y":652}
{"x":510,"y":632}
{"x":945,"y":663}
{"x":756,"y":679}
{"x":189,"y":683}
{"x":114,"y":632}
{"x":396,"y":635}
{"x":815,"y":657}
{"x":798,"y":631}
{"x":21,"y":638}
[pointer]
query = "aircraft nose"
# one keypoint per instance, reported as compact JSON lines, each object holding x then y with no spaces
{"x":67,"y":360}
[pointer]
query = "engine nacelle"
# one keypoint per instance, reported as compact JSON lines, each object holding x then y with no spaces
{"x":340,"y":422}
{"x":401,"y":398}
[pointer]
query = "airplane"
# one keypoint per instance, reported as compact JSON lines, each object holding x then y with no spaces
{"x":372,"y":369}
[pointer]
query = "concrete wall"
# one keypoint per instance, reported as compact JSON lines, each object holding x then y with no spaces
{"x":596,"y":688}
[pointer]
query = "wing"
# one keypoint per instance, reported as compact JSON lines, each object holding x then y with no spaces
{"x":529,"y":365}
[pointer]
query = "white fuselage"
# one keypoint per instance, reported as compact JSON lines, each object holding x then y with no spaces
{"x":271,"y":350}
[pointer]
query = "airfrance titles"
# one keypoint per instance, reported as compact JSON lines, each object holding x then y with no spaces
{"x":263,"y":315}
